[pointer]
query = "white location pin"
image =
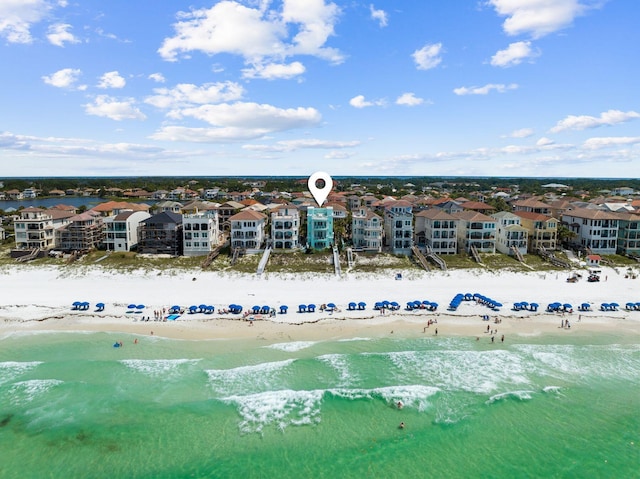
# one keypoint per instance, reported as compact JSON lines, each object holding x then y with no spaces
{"x":320,"y":193}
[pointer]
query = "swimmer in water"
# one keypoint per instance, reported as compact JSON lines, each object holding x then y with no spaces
{"x":400,"y":405}
{"x":401,"y":425}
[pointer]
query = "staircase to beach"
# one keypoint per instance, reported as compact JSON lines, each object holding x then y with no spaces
{"x":422,"y":261}
{"x":474,"y":253}
{"x":264,"y":260}
{"x":336,"y":262}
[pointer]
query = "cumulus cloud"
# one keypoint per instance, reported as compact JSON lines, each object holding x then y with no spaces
{"x":238,"y":121}
{"x":111,"y":80}
{"x":59,"y":34}
{"x":157,"y":77}
{"x":109,"y":107}
{"x":428,"y":56}
{"x":521,"y":133}
{"x":274,"y":71}
{"x":607,"y":142}
{"x":544,"y":141}
{"x":187,"y":94}
{"x":300,"y":27}
{"x":379,"y":15}
{"x":514,"y":54}
{"x":537,"y":17}
{"x":17,"y":17}
{"x":484,"y":90}
{"x":409,"y":99}
{"x":65,"y":78}
{"x":359,"y":101}
{"x":583,"y":122}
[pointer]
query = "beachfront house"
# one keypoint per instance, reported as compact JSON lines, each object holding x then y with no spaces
{"x":35,"y":228}
{"x":247,"y":230}
{"x":167,"y":205}
{"x":161,"y":234}
{"x":84,"y":232}
{"x":114,"y":208}
{"x":628,"y":234}
{"x":511,"y":236}
{"x":366,"y":230}
{"x":285,"y":227}
{"x":398,"y":224}
{"x":201,"y":232}
{"x":226,"y":211}
{"x":121,"y":230}
{"x":542,"y":230}
{"x":532,"y":205}
{"x":319,"y":227}
{"x":437,"y":230}
{"x":476,"y":230}
{"x":596,"y":230}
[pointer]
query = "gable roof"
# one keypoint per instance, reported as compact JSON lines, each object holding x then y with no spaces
{"x":249,"y":215}
{"x":166,"y":217}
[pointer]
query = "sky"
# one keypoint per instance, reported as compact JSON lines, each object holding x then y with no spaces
{"x":516,"y":88}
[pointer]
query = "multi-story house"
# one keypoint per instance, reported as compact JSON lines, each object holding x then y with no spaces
{"x":628,"y":233}
{"x":121,"y":230}
{"x":542,"y":230}
{"x":201,"y":232}
{"x":532,"y":205}
{"x":84,"y":232}
{"x":366,"y":230}
{"x":595,"y":229}
{"x":34,"y":229}
{"x":167,"y":205}
{"x":398,"y":224}
{"x":319,"y":227}
{"x":285,"y":227}
{"x":226,"y":211}
{"x":437,"y":229}
{"x":161,"y":234}
{"x":511,"y":236}
{"x":476,"y":229}
{"x":247,"y":230}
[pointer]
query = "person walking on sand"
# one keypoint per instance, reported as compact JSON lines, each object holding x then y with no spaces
{"x":436,"y":331}
{"x":502,"y":339}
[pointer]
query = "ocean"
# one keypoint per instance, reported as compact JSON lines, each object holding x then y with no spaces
{"x":74,"y":406}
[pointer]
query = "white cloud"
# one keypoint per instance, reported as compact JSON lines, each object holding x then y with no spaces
{"x":521,"y":133}
{"x":409,"y":99}
{"x":360,"y":102}
{"x":484,"y":90}
{"x":59,"y":33}
{"x":109,"y":107}
{"x":17,"y":17}
{"x":428,"y":56}
{"x":537,"y":17}
{"x":379,"y":15}
{"x":607,"y":142}
{"x":301,"y":27}
{"x":238,"y":121}
{"x":274,"y":71}
{"x":583,"y":122}
{"x":544,"y":141}
{"x":157,"y":77}
{"x":514,"y":54}
{"x":65,"y":78}
{"x":111,"y":80}
{"x":293,"y":145}
{"x":187,"y":94}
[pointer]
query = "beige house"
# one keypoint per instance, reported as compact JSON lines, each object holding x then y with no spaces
{"x":247,"y":230}
{"x":542,"y":230}
{"x":477,"y":230}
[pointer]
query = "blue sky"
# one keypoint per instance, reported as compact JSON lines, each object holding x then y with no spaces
{"x":288,"y":87}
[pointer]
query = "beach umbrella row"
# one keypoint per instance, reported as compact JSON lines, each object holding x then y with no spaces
{"x":559,"y":307}
{"x":392,"y":305}
{"x":203,"y":308}
{"x":307,"y":308}
{"x":235,"y":308}
{"x":524,"y":306}
{"x":428,"y":305}
{"x":80,"y":305}
{"x":584,"y":307}
{"x":633,"y":306}
{"x":609,"y":307}
{"x":359,"y":306}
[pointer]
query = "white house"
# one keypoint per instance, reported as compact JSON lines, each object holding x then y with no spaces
{"x":121,"y":230}
{"x":247,"y":230}
{"x":398,"y":223}
{"x":201,"y":232}
{"x":595,"y":229}
{"x":366,"y":230}
{"x":285,"y":227}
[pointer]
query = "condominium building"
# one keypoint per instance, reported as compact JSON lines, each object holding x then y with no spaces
{"x":34,"y":229}
{"x":161,"y":234}
{"x":84,"y":232}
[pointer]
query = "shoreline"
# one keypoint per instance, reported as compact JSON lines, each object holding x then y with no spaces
{"x":41,"y":301}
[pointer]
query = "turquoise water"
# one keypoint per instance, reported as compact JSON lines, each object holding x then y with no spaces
{"x":72,"y":406}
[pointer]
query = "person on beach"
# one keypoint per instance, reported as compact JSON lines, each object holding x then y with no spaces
{"x":492,"y":338}
{"x":436,"y":331}
{"x":502,"y":339}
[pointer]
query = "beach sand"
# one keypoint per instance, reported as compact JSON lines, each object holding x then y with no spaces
{"x":40,"y":299}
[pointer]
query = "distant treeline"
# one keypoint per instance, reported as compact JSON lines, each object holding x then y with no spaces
{"x":380,"y":185}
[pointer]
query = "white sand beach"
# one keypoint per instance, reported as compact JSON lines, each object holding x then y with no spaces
{"x":40,"y":299}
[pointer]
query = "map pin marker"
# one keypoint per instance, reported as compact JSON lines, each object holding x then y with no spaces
{"x":320,"y":193}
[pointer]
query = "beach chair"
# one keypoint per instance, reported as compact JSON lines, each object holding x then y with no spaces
{"x":283,"y":309}
{"x":362,"y":306}
{"x":351,"y":306}
{"x":302,"y":308}
{"x":311,"y":308}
